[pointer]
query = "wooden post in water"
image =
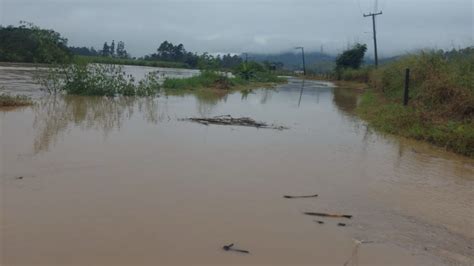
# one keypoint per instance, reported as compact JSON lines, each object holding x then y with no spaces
{"x":406,"y":91}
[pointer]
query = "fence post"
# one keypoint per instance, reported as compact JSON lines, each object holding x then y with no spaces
{"x":407,"y":84}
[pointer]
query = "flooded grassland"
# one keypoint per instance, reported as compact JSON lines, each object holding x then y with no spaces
{"x":101,"y":181}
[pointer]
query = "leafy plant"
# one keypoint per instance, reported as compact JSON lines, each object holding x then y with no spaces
{"x":97,"y":79}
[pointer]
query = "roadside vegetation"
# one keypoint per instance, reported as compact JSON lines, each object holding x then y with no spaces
{"x":441,"y":105}
{"x":7,"y":100}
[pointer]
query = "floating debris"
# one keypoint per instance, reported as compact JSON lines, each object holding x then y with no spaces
{"x":341,"y":224}
{"x":300,"y":197}
{"x":19,"y":178}
{"x":328,"y":215}
{"x":228,"y":120}
{"x":231,"y":248}
{"x":320,"y":222}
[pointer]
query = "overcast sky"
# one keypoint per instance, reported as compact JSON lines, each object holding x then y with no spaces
{"x":250,"y":25}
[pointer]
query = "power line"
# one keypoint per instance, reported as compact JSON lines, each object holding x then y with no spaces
{"x":373,"y":15}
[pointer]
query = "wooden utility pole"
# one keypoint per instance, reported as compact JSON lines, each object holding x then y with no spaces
{"x":375,"y":34}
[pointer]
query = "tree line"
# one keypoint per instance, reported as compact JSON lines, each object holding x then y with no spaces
{"x":167,"y":51}
{"x":107,"y":50}
{"x":29,"y":43}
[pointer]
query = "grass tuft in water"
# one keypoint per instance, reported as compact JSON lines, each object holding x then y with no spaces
{"x":217,"y":80}
{"x":7,"y":100}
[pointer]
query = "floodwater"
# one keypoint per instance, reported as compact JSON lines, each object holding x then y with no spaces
{"x":125,"y":182}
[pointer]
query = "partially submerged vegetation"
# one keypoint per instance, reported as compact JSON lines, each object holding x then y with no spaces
{"x":97,"y":80}
{"x":84,"y":78}
{"x":441,"y":107}
{"x":244,"y":76}
{"x":7,"y":100}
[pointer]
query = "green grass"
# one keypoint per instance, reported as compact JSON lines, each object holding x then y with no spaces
{"x":359,"y":75}
{"x":441,"y":106}
{"x":7,"y":100}
{"x":215,"y":80}
{"x":131,"y":62}
{"x":392,"y":117}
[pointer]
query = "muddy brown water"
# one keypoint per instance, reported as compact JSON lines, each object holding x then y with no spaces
{"x":123,"y":182}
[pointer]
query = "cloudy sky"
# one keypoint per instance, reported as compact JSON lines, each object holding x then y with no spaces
{"x":251,"y":25}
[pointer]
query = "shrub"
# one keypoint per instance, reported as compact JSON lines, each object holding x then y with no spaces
{"x":97,"y":79}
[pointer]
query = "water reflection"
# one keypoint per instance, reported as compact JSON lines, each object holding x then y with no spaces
{"x":301,"y":92}
{"x":207,"y":101}
{"x":56,"y":114}
{"x":346,"y":100}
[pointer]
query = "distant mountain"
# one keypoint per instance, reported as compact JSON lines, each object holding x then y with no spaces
{"x":293,"y":61}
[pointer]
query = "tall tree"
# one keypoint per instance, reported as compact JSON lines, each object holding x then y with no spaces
{"x":106,"y":50}
{"x":352,"y":57}
{"x":112,"y":48}
{"x":121,"y":52}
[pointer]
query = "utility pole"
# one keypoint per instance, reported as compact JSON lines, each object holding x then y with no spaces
{"x":375,"y":34}
{"x":302,"y":55}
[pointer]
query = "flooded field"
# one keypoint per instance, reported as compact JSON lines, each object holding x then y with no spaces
{"x":99,"y":181}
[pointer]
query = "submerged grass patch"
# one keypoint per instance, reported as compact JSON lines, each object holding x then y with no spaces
{"x":7,"y":100}
{"x":220,"y":82}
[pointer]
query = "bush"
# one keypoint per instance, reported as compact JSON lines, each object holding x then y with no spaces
{"x":97,"y":79}
{"x":256,"y":72}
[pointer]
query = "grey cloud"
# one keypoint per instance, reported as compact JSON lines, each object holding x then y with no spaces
{"x":254,"y":26}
